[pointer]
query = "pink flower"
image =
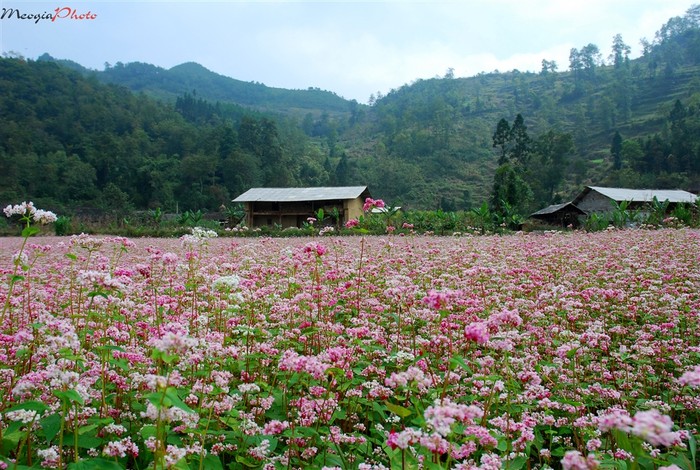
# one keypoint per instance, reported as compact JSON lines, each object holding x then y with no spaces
{"x":573,"y":460}
{"x":655,"y":428}
{"x":477,"y":331}
{"x":691,"y":377}
{"x":315,"y":248}
{"x":435,"y":299}
{"x":442,"y":415}
{"x":275,"y":427}
{"x":404,"y":439}
{"x":121,"y":448}
{"x":352,"y":223}
{"x":615,"y":418}
{"x":372,"y":203}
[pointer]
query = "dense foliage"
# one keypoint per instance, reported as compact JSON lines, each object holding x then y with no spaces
{"x":68,"y":140}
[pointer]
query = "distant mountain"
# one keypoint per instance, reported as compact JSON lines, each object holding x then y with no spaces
{"x":193,"y":78}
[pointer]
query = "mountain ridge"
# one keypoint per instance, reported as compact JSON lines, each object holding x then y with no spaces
{"x":192,"y":77}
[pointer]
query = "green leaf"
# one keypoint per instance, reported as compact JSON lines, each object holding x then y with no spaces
{"x":95,"y":464}
{"x":171,"y":394}
{"x":51,"y":425}
{"x":165,"y":357}
{"x":71,"y":256}
{"x":693,"y":446}
{"x":29,"y":406}
{"x":29,"y":231}
{"x":148,"y":431}
{"x":247,"y":461}
{"x":622,"y":439}
{"x":87,"y":428}
{"x":398,"y":410}
{"x":210,"y":462}
{"x":681,"y":460}
{"x":182,"y":465}
{"x":459,"y":361}
{"x":84,"y":442}
{"x":517,"y":463}
{"x":10,"y":440}
{"x":69,"y":395}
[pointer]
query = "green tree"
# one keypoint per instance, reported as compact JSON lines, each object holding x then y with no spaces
{"x":520,"y":152}
{"x":620,"y":52}
{"x":551,"y":152}
{"x":616,"y":150}
{"x":502,"y":140}
{"x":510,"y":191}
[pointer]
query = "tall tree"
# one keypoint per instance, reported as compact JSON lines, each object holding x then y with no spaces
{"x":521,"y":141}
{"x":502,"y":140}
{"x":551,"y":152}
{"x":616,"y":150}
{"x":510,"y":190}
{"x":620,"y":52}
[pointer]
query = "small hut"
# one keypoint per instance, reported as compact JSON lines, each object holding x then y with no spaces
{"x":560,"y":215}
{"x":291,"y":207}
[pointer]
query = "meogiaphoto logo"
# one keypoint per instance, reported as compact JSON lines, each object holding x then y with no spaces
{"x":59,"y":13}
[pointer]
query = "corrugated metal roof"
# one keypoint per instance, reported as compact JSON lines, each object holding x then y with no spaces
{"x":301,"y":194}
{"x":645,"y":195}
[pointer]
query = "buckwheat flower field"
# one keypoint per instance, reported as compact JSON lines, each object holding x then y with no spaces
{"x":562,"y":350}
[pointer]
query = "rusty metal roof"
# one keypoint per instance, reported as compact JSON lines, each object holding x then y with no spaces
{"x":302,"y":194}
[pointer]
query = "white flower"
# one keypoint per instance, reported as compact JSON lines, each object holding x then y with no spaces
{"x":24,"y":416}
{"x":27,"y":209}
{"x":248,"y":388}
{"x":226,"y":282}
{"x":20,"y":209}
{"x":44,"y":217}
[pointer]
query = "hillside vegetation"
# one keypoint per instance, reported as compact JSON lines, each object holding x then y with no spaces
{"x":136,"y":136}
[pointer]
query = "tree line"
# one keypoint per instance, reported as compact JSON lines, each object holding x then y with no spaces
{"x":70,"y":141}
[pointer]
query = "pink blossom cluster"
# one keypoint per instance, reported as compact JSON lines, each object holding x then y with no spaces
{"x":372,"y":203}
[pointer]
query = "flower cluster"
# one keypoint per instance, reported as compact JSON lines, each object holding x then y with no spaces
{"x":29,"y":213}
{"x":372,"y":204}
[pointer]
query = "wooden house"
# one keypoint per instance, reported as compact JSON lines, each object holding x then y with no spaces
{"x":291,"y":207}
{"x":562,"y":215}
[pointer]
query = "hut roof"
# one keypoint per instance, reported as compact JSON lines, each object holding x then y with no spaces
{"x":639,"y":195}
{"x":302,"y":194}
{"x":556,"y":208}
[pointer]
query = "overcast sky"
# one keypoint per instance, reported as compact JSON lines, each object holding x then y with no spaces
{"x":351,"y":48}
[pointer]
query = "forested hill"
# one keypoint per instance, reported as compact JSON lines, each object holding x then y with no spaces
{"x":69,"y":141}
{"x":517,"y":140}
{"x":608,"y":120}
{"x":169,"y":84}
